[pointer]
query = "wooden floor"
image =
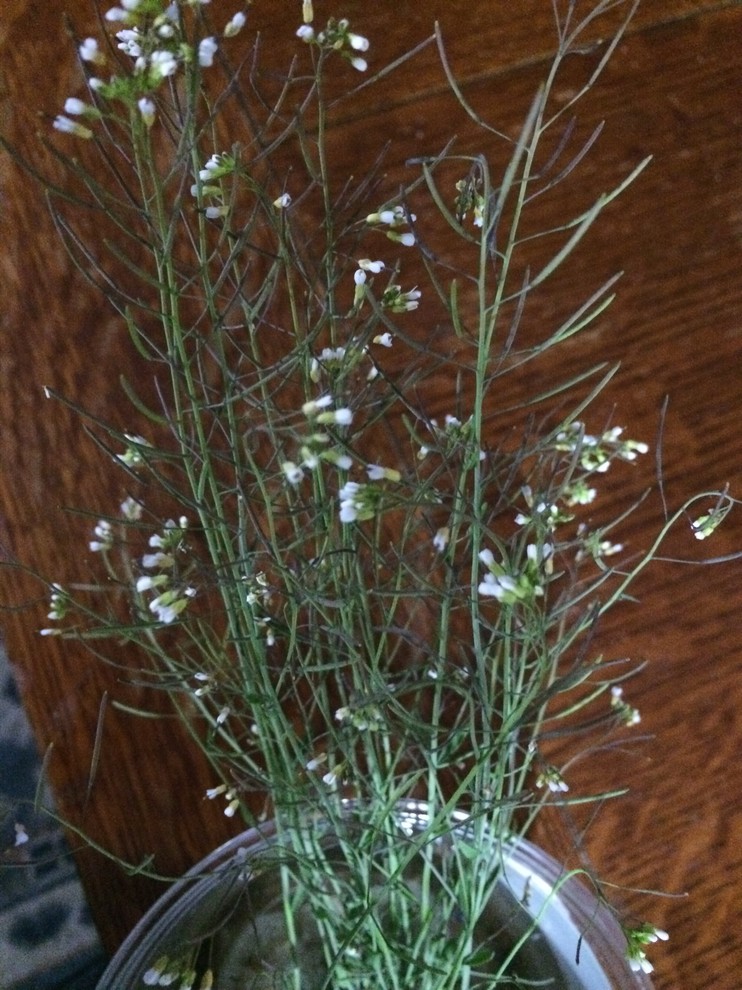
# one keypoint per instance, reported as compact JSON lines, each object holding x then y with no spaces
{"x":672,"y":91}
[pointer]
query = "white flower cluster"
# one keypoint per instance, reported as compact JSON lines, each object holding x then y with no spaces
{"x":151,"y":35}
{"x":596,"y":453}
{"x":366,"y":717}
{"x":626,"y":713}
{"x":172,"y":595}
{"x":393,"y":298}
{"x":133,"y":456}
{"x":544,"y":515}
{"x":59,"y":603}
{"x":356,"y":503}
{"x":317,"y":447}
{"x":705,"y":525}
{"x":103,"y":532}
{"x":593,"y":545}
{"x":637,"y":940}
{"x":359,"y":501}
{"x":552,"y":779}
{"x":209,"y":185}
{"x":394,"y":219}
{"x":169,"y":971}
{"x":337,"y":37}
{"x":508,"y":585}
{"x":468,"y":197}
{"x":451,"y":439}
{"x":230,"y":796}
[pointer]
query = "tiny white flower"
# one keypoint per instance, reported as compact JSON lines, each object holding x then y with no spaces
{"x":344,"y":462}
{"x":147,"y":110}
{"x":90,"y":52}
{"x":148,"y":582}
{"x":74,"y":106}
{"x":164,"y":63}
{"x":705,"y":525}
{"x":130,"y":42}
{"x":131,"y":509}
{"x":210,"y":169}
{"x":167,"y":606}
{"x":21,"y":835}
{"x":312,"y":407}
{"x":151,"y":976}
{"x":161,"y":560}
{"x":305,"y":33}
{"x":384,"y":339}
{"x":357,"y":42}
{"x":608,"y":549}
{"x":293,"y":472}
{"x":440,"y":540}
{"x":282,"y":202}
{"x":376,"y":472}
{"x":333,"y":776}
{"x":104,"y":533}
{"x":235,"y":25}
{"x":359,"y":63}
{"x":213,"y":792}
{"x":366,"y":265}
{"x":349,"y":506}
{"x":116,"y":14}
{"x":66,"y":126}
{"x":550,"y":777}
{"x":206,"y":50}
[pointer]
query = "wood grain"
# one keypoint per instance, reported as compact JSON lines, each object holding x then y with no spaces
{"x":672,"y":91}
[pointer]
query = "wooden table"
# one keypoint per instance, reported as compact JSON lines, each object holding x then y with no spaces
{"x":672,"y":91}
